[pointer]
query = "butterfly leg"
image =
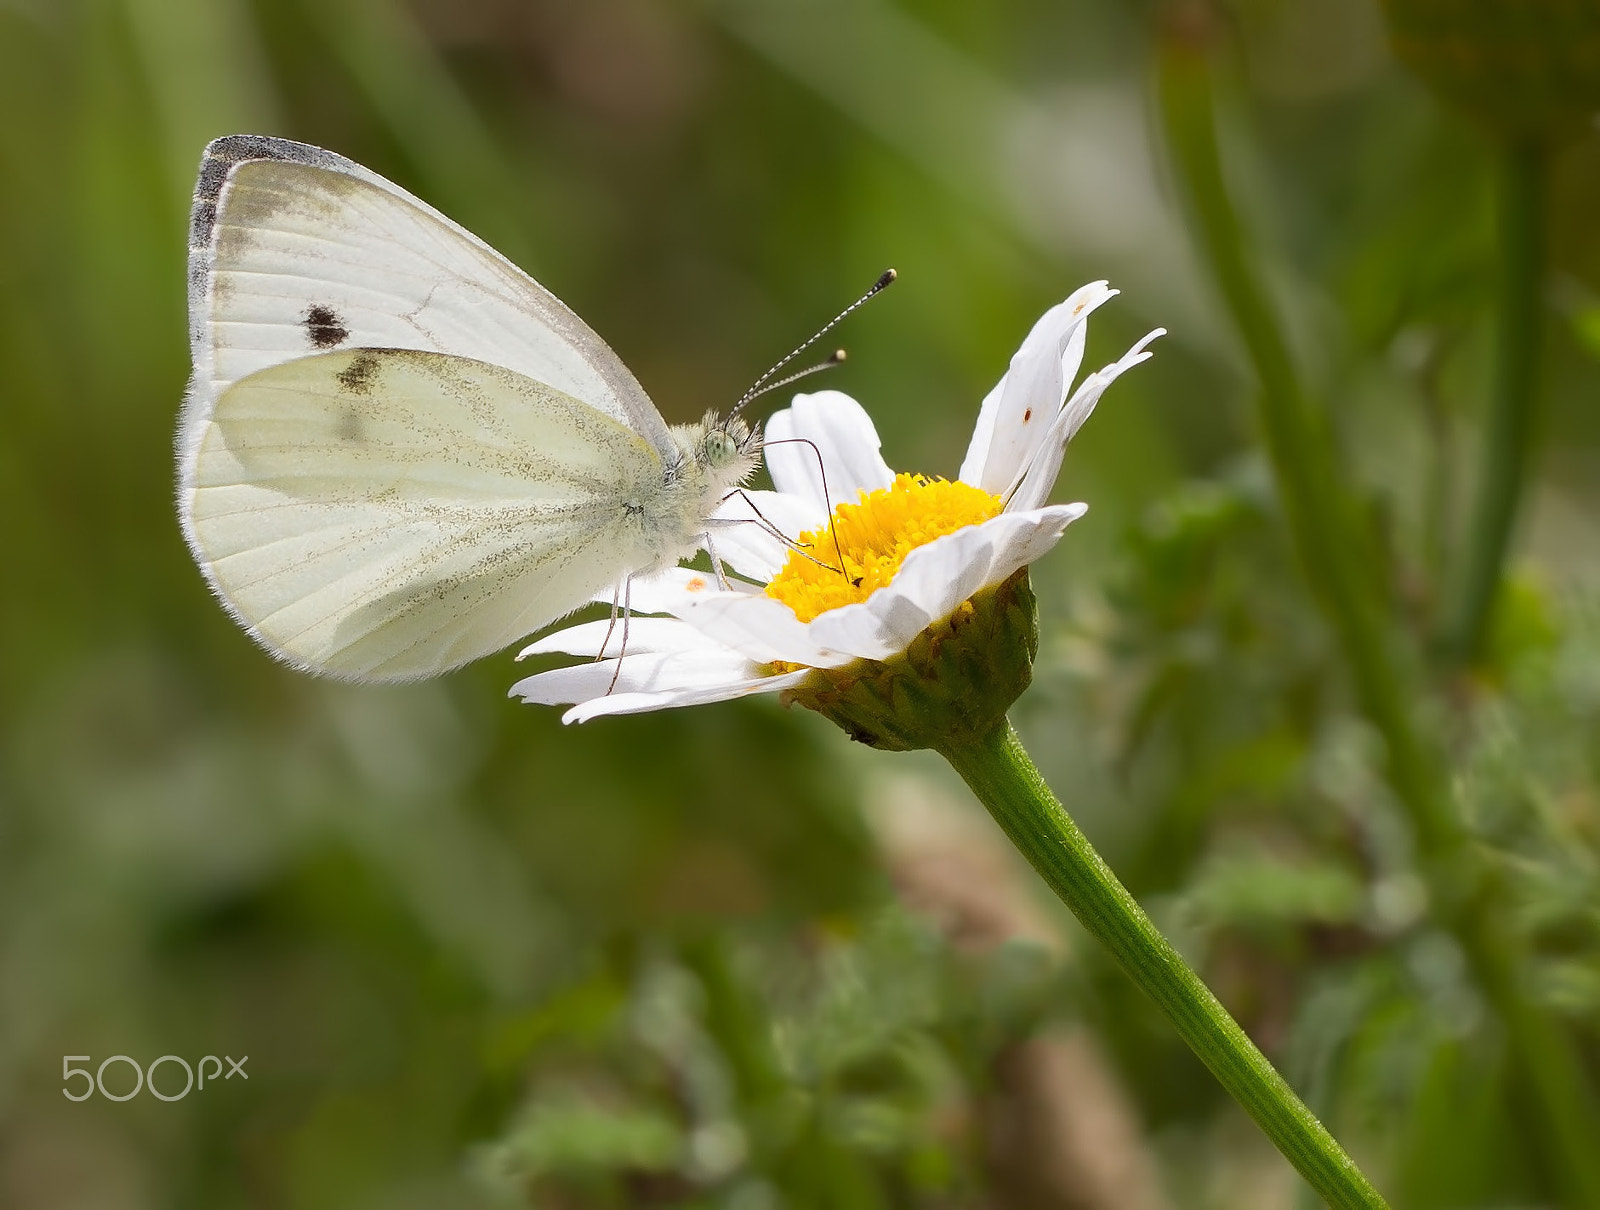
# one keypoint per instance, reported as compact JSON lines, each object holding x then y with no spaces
{"x":616,"y":597}
{"x":803,"y":549}
{"x":627,"y":612}
{"x":716,"y":560}
{"x":822,"y":475}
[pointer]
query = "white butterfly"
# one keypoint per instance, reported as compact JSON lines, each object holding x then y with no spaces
{"x":399,"y":452}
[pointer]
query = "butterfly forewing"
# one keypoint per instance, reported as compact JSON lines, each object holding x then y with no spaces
{"x":295,"y":250}
{"x":390,"y":514}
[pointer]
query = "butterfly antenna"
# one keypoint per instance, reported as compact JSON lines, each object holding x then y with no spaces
{"x":764,"y":384}
{"x":755,"y":393}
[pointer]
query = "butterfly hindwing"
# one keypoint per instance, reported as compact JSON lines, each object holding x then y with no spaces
{"x":387,"y":514}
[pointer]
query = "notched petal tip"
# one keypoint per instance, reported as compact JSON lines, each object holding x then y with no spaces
{"x":1018,"y":414}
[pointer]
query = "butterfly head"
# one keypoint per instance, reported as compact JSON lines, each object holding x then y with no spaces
{"x":719,"y":452}
{"x":728,"y":442}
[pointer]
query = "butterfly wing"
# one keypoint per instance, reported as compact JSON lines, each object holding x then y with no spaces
{"x":389,"y":514}
{"x":295,"y":250}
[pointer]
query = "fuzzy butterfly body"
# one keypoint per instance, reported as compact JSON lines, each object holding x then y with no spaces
{"x":398,"y":452}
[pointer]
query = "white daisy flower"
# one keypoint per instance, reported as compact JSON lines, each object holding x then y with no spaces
{"x":916,"y":551}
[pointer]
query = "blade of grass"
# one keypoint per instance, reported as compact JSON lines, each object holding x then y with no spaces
{"x":1509,"y":429}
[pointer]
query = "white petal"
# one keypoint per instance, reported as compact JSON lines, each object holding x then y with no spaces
{"x":636,"y":703}
{"x":669,"y":590}
{"x":642,"y":636}
{"x":982,"y":435}
{"x":742,"y":530}
{"x":1017,"y":414}
{"x":937,"y":577}
{"x":1040,"y":474}
{"x":761,"y":628}
{"x":840,"y":431}
{"x":639,"y":672}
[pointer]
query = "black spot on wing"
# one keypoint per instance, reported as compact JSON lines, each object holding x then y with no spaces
{"x":361,"y":375}
{"x":324,"y":328}
{"x":217,"y":165}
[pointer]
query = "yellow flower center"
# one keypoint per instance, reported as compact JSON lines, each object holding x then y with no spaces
{"x":873,"y":537}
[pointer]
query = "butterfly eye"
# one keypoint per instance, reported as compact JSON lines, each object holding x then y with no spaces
{"x":720,"y":448}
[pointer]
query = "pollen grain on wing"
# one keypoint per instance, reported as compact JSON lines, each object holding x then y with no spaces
{"x":875,"y":535}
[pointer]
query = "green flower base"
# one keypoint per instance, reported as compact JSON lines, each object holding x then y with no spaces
{"x":951,"y":687}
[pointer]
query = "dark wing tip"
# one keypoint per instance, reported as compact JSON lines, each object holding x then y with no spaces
{"x":221,"y":156}
{"x":217,"y":162}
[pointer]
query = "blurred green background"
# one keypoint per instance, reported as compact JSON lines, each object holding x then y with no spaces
{"x":721,"y":957}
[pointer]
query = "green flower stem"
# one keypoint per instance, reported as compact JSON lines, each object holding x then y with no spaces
{"x":1007,"y":783}
{"x":1339,"y":557}
{"x":1513,"y":406}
